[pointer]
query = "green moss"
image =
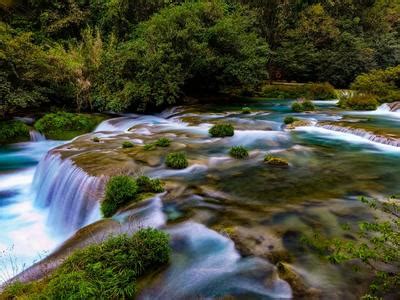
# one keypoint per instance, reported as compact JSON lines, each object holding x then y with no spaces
{"x":127,"y":144}
{"x":222,"y":130}
{"x":359,"y":102}
{"x":163,"y":142}
{"x":289,"y":120}
{"x":246,"y":110}
{"x":176,"y":160}
{"x":275,"y":161}
{"x":65,"y":126}
{"x":147,"y":185}
{"x":119,"y":191}
{"x":13,"y":132}
{"x":104,"y":271}
{"x":238,"y":152}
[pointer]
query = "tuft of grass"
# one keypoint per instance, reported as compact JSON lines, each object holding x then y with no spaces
{"x":238,"y":152}
{"x":147,"y":185}
{"x":149,"y":147}
{"x":246,"y":110}
{"x":163,"y":142}
{"x":96,"y":139}
{"x":127,"y":144}
{"x":176,"y":160}
{"x":289,"y":120}
{"x":222,"y":130}
{"x":275,"y":161}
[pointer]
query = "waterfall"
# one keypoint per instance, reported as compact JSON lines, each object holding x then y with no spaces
{"x":363,"y":133}
{"x":70,"y":194}
{"x":36,"y":136}
{"x":393,"y":107}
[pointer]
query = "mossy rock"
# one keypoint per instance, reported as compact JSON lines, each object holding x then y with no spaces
{"x":275,"y":161}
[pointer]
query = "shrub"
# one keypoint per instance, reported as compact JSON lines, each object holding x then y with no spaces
{"x":104,"y":271}
{"x":322,"y":91}
{"x":163,"y":142}
{"x":13,"y":131}
{"x":148,"y":185}
{"x":238,"y":152}
{"x":65,"y":126}
{"x":303,"y":105}
{"x":222,"y":130}
{"x":96,"y":139}
{"x":246,"y":110}
{"x":127,"y":144}
{"x":119,"y":191}
{"x":275,"y":161}
{"x":359,"y":102}
{"x":149,"y":147}
{"x":176,"y":160}
{"x":289,"y":120}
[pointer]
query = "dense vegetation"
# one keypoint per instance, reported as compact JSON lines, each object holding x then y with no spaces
{"x":176,"y":160}
{"x":221,"y":130}
{"x":239,"y":152}
{"x":108,"y":270}
{"x":122,"y":189}
{"x":13,"y":131}
{"x":142,"y":55}
{"x":377,"y":247}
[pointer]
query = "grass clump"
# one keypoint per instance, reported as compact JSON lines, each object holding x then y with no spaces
{"x":176,"y":160}
{"x":246,"y":110}
{"x":303,"y":105}
{"x":127,"y":144}
{"x":359,"y":102}
{"x":149,"y":147}
{"x":275,"y":161}
{"x":96,"y":139}
{"x":289,"y":120}
{"x":222,"y":130}
{"x":13,"y":132}
{"x":163,"y":142}
{"x":119,"y":191}
{"x":108,"y":270}
{"x":65,"y":126}
{"x":147,"y":185}
{"x":238,"y":152}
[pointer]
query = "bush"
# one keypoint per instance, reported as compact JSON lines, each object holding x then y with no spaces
{"x":163,"y":142}
{"x":321,"y":91}
{"x":13,"y":132}
{"x":104,"y":271}
{"x":303,"y":105}
{"x":289,"y":120}
{"x":65,"y":126}
{"x":246,"y":110}
{"x":96,"y":139}
{"x":275,"y":161}
{"x":222,"y":130}
{"x":148,"y":185}
{"x":238,"y":152}
{"x":176,"y":160}
{"x":127,"y":144}
{"x":359,"y":102}
{"x":119,"y":191}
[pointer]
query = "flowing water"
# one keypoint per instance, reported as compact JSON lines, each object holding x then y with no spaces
{"x":264,"y":211}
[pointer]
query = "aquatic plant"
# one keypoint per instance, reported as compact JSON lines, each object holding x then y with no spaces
{"x":163,"y":142}
{"x":127,"y":144}
{"x":239,"y":152}
{"x":108,"y":270}
{"x":289,"y":120}
{"x":275,"y":161}
{"x":119,"y":191}
{"x":13,"y":131}
{"x":147,"y":185}
{"x":246,"y":110}
{"x":65,"y":126}
{"x":222,"y":130}
{"x":176,"y":160}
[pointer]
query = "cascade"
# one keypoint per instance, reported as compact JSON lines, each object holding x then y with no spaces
{"x":36,"y":136}
{"x":69,"y":193}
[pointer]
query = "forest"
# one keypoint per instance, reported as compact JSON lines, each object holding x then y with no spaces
{"x":143,"y":55}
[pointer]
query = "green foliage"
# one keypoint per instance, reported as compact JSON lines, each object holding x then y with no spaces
{"x":127,"y":144}
{"x":359,"y":101}
{"x":377,"y":247}
{"x":321,"y":91}
{"x":13,"y":131}
{"x":148,"y":185}
{"x":108,"y":270}
{"x":289,"y":120}
{"x":65,"y":126}
{"x":275,"y":161}
{"x":238,"y":152}
{"x":176,"y":160}
{"x":119,"y":191}
{"x":96,"y":139}
{"x":149,"y":147}
{"x":163,"y":142}
{"x":303,"y":105}
{"x":246,"y":110}
{"x":222,"y":130}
